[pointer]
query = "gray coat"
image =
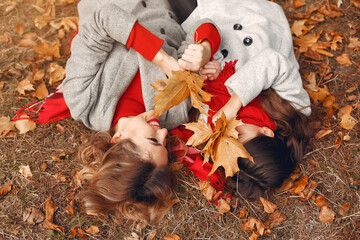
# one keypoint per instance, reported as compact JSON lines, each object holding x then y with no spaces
{"x":101,"y":67}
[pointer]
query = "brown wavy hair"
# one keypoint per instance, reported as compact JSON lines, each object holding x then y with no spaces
{"x":274,"y":158}
{"x":122,"y":183}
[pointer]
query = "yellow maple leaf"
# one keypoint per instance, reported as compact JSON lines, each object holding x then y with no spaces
{"x":222,"y":146}
{"x":24,"y":85}
{"x":45,"y":49}
{"x":174,"y":90}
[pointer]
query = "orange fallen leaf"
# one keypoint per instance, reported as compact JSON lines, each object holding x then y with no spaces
{"x":25,"y":42}
{"x":300,"y":185}
{"x":41,"y":91}
{"x":328,"y":101}
{"x":174,"y":90}
{"x":33,"y":216}
{"x":250,"y":225}
{"x":24,"y":85}
{"x":344,"y":60}
{"x":67,"y":23}
{"x":269,"y":207}
{"x":223,"y":206}
{"x":321,"y":201}
{"x":345,"y":111}
{"x":208,"y":190}
{"x":309,"y":190}
{"x":39,"y":75}
{"x":348,"y":122}
{"x":275,"y":219}
{"x":4,"y":38}
{"x":344,"y":209}
{"x":92,"y":230}
{"x":298,"y":28}
{"x":45,"y":49}
{"x":6,"y":126}
{"x":319,"y":95}
{"x":50,"y":209}
{"x":243,"y":213}
{"x":322,"y":133}
{"x":299,"y":3}
{"x":202,"y":132}
{"x":254,"y":236}
{"x":289,"y":182}
{"x":5,"y":189}
{"x":43,"y":166}
{"x":25,"y":124}
{"x":326,"y":214}
{"x":77,"y":231}
{"x":354,"y":43}
{"x":18,"y":29}
{"x":60,"y":129}
{"x":172,"y":237}
{"x":25,"y":171}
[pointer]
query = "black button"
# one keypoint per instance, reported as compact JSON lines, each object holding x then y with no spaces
{"x":143,"y":3}
{"x":237,"y":26}
{"x":162,"y":31}
{"x":248,"y":41}
{"x":224,"y":52}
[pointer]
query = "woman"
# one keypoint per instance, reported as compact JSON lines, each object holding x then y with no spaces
{"x":120,"y":49}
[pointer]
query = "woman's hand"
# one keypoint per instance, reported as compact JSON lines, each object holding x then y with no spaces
{"x":230,"y":109}
{"x":166,"y":62}
{"x":196,"y":56}
{"x":211,"y":70}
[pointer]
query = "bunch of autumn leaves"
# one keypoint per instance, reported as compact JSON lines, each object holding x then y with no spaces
{"x":221,"y":144}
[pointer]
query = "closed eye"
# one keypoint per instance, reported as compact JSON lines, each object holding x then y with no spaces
{"x":154,"y":141}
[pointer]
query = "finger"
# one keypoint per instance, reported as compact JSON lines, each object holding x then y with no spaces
{"x":207,"y":71}
{"x":188,"y":65}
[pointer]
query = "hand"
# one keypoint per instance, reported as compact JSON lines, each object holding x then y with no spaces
{"x":166,"y":62}
{"x":196,"y":56}
{"x":211,"y":70}
{"x":230,"y":109}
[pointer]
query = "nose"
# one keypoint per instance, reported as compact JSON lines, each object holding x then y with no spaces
{"x":162,"y":133}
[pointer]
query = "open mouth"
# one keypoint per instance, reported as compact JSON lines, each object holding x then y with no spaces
{"x":154,"y":122}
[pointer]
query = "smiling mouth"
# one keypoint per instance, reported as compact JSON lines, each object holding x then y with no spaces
{"x":154,"y":122}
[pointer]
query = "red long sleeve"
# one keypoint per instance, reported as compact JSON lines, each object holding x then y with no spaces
{"x":207,"y":31}
{"x":144,"y":42}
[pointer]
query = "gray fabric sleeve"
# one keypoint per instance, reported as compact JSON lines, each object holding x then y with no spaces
{"x":269,"y":69}
{"x":89,"y":49}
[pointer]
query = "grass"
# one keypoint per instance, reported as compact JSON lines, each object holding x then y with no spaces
{"x":337,"y":171}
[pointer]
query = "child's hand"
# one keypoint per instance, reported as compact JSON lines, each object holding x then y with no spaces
{"x":230,"y":109}
{"x":166,"y":62}
{"x":211,"y":70}
{"x":195,"y":56}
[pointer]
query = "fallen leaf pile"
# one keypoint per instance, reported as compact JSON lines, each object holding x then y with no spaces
{"x":177,"y":88}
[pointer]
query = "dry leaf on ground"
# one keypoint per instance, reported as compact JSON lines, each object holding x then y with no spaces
{"x":326,"y":214}
{"x":5,"y":189}
{"x":269,"y":207}
{"x":322,"y":133}
{"x":92,"y":230}
{"x":25,"y":171}
{"x":300,"y":185}
{"x":6,"y":126}
{"x":24,"y":85}
{"x":344,"y":60}
{"x":172,"y":237}
{"x":33,"y":216}
{"x":344,"y":209}
{"x":223,"y":206}
{"x":50,"y":209}
{"x":208,"y":190}
{"x":250,"y":225}
{"x":24,"y":124}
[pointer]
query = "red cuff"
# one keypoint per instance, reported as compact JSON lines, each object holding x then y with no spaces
{"x":144,"y":42}
{"x":209,"y":32}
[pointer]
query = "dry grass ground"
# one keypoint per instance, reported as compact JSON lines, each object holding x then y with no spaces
{"x":337,"y":171}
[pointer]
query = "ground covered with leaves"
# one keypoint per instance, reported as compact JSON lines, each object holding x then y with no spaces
{"x":38,"y":164}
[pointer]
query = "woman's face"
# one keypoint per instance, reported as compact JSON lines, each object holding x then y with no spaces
{"x":144,"y":130}
{"x":248,"y":131}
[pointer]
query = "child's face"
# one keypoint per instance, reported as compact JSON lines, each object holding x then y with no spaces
{"x":249,"y":131}
{"x":144,"y":130}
